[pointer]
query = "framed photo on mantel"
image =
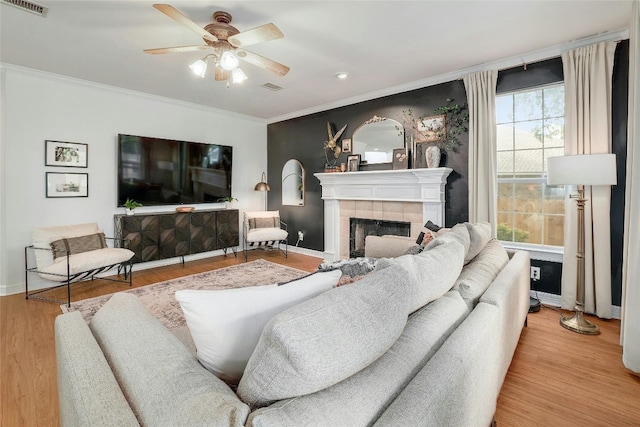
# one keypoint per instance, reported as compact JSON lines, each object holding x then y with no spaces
{"x":66,"y":154}
{"x":353,"y":163}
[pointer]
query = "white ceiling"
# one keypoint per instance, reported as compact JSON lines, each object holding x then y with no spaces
{"x":383,"y":45}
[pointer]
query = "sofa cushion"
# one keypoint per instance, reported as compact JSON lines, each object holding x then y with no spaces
{"x":324,"y":340}
{"x":226,"y":324}
{"x":75,"y":245}
{"x":85,"y":261}
{"x":360,"y":399}
{"x":479,"y":235}
{"x":43,"y":236}
{"x":476,"y":276}
{"x":163,"y":382}
{"x":431,"y":273}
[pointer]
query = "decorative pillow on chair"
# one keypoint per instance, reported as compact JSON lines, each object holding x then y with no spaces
{"x":226,"y":325}
{"x":76,"y":245}
{"x":270,"y":222}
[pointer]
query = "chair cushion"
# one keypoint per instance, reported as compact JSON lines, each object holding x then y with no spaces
{"x":266,"y":234}
{"x":226,"y":324}
{"x":326,"y":339}
{"x":85,"y":261}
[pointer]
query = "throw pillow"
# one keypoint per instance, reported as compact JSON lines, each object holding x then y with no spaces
{"x":325,"y":340}
{"x":269,"y":222}
{"x":76,"y":245}
{"x":225,"y":325}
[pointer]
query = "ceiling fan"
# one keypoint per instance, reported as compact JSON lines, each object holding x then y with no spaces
{"x":227,"y":43}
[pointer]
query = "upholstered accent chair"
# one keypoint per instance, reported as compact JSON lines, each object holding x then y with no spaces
{"x":265,"y":229}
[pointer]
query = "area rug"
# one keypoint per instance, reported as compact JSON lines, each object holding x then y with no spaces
{"x":160,"y":300}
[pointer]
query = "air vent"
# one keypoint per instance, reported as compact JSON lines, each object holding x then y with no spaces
{"x":272,"y":87}
{"x":28,"y":6}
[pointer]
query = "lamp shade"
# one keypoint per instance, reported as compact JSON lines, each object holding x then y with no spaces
{"x":582,"y":169}
{"x":262,"y":185}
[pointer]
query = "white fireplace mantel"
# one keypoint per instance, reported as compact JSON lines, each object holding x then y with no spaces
{"x":426,"y":186}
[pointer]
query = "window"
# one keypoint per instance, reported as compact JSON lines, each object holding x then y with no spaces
{"x":530,"y":128}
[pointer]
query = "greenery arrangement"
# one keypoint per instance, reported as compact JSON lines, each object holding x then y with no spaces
{"x":447,"y":138}
{"x":227,"y":199}
{"x":132,"y":204}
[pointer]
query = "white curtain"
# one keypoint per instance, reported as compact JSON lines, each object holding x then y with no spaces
{"x":481,"y":97}
{"x":587,"y":79}
{"x":630,"y":329}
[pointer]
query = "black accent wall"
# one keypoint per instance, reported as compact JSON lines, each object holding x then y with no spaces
{"x":303,"y":138}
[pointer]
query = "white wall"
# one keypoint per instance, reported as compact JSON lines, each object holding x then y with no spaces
{"x":38,"y":106}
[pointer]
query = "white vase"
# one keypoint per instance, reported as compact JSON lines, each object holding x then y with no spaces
{"x":432,"y":156}
{"x":130,"y":211}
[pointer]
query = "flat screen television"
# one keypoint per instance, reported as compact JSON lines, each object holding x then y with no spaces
{"x":156,"y":171}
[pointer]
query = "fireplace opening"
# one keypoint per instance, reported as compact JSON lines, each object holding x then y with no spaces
{"x":360,"y":228}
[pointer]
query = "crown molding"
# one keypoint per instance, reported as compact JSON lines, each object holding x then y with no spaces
{"x":157,"y":98}
{"x":510,"y":62}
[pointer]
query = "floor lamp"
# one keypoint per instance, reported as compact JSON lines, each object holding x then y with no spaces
{"x":581,"y":170}
{"x":263,"y":186}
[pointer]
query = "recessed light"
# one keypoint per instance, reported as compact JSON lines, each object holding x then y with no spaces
{"x":342,"y":75}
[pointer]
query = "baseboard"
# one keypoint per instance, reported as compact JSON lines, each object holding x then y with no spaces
{"x":555,"y":301}
{"x":305,"y":251}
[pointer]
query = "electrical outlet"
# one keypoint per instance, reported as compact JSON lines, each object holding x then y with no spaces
{"x":300,"y":236}
{"x":535,"y":273}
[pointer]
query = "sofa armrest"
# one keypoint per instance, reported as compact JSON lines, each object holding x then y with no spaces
{"x":387,"y":246}
{"x":88,"y":392}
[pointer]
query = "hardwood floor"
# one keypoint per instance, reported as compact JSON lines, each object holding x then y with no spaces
{"x":557,"y":377}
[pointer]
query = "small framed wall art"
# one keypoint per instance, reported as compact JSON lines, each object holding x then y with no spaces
{"x":346,"y":145}
{"x":66,"y":154}
{"x":67,"y":184}
{"x":430,"y":129}
{"x":353,"y":163}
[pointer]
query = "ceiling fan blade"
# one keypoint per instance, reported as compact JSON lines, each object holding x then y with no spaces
{"x":262,"y":62}
{"x":177,"y":16}
{"x":177,"y":49}
{"x":263,"y":33}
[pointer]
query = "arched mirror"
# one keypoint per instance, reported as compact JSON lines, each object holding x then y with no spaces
{"x":293,"y":183}
{"x":376,"y":138}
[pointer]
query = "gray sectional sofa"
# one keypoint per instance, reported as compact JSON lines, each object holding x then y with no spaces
{"x":423,"y":339}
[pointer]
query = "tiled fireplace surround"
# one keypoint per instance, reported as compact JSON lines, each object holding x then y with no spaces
{"x":414,"y":196}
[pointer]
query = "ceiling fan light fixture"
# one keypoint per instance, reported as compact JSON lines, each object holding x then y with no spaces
{"x":238,"y":76}
{"x":229,"y":61}
{"x":199,"y":68}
